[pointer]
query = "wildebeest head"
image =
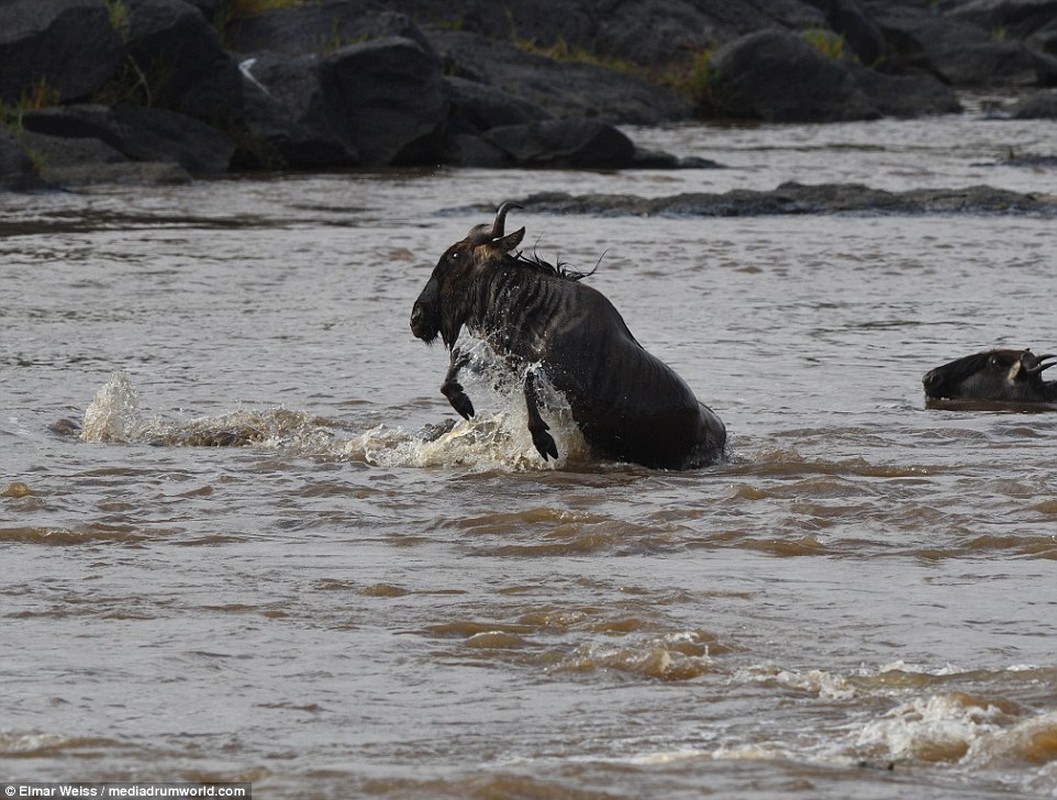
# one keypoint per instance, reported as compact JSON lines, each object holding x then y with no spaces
{"x":444,"y":303}
{"x":995,"y":375}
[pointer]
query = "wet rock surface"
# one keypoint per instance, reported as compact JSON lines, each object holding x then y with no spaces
{"x":797,"y":198}
{"x":543,"y":83}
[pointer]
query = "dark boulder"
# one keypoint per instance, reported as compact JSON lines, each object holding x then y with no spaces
{"x":377,"y":103}
{"x":1044,"y":40}
{"x":1015,"y":19}
{"x":286,"y":120}
{"x":860,"y":34}
{"x":562,"y":88}
{"x":64,"y":151}
{"x":478,"y":107}
{"x":182,"y":59}
{"x":318,"y":29}
{"x":644,"y":158}
{"x":960,"y":53}
{"x":778,"y":77}
{"x":64,"y":48}
{"x":72,"y":163}
{"x":576,"y":144}
{"x":472,"y":150}
{"x":661,"y":32}
{"x":797,"y":199}
{"x":387,"y":100}
{"x":154,"y":134}
{"x":653,"y":33}
{"x":214,"y":10}
{"x":906,"y":96}
{"x":1040,"y":105}
{"x":16,"y":168}
{"x":141,"y":134}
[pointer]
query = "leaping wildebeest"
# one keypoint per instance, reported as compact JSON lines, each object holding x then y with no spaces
{"x":1004,"y":376}
{"x":545,"y":323}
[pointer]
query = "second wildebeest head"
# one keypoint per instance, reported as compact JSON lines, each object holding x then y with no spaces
{"x":442,"y":306}
{"x":1004,"y":375}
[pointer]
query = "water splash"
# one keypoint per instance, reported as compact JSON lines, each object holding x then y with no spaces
{"x":114,"y":414}
{"x":498,"y":440}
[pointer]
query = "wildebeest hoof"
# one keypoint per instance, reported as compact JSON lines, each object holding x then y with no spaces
{"x":544,"y":443}
{"x":458,"y":399}
{"x":463,"y":405}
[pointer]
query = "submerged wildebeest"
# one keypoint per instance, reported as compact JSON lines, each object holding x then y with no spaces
{"x":1008,"y":376}
{"x":544,"y":323}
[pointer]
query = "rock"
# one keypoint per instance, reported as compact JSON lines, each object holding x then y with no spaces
{"x":958,"y":52}
{"x":213,"y":10}
{"x":154,"y":134}
{"x":796,"y":198}
{"x":64,"y":49}
{"x":141,"y":134}
{"x":16,"y":168}
{"x":655,"y":33}
{"x":183,"y":60}
{"x":319,"y":29}
{"x":478,"y":107}
{"x":1032,"y":162}
{"x":778,"y":77}
{"x":1044,"y":40}
{"x":862,"y":36}
{"x":1015,"y":19}
{"x":470,"y":150}
{"x":562,"y":88}
{"x":906,"y":95}
{"x":285,"y":118}
{"x":77,"y":162}
{"x":1040,"y":105}
{"x":387,"y":100}
{"x":576,"y":144}
{"x":62,"y":151}
{"x":377,"y":103}
{"x":658,"y":159}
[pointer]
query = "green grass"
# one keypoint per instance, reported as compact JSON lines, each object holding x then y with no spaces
{"x":39,"y":95}
{"x":563,"y":51}
{"x":247,"y":8}
{"x":117,"y":11}
{"x":827,"y":42}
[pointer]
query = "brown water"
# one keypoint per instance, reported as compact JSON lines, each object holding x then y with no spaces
{"x":862,"y":603}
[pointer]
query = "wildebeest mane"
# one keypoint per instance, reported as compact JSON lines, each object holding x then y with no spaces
{"x":536,"y":263}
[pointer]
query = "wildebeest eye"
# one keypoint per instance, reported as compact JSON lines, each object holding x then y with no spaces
{"x":994,"y":363}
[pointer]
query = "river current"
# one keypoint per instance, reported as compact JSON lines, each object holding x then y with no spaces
{"x":241,"y":540}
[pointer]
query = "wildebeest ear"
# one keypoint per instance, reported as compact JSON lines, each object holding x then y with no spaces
{"x":511,"y":240}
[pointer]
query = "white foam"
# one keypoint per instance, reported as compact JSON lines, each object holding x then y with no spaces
{"x":498,"y":440}
{"x":114,"y":414}
{"x":937,"y":727}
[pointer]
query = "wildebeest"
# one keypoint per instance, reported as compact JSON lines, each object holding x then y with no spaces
{"x":546,"y":324}
{"x":1009,"y":376}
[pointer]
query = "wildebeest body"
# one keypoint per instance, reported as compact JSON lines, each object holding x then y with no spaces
{"x":629,"y":405}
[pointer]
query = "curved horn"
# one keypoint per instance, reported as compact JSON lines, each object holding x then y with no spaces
{"x":1039,"y":366}
{"x":500,"y":218}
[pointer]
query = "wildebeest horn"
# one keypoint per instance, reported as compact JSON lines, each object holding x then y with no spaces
{"x":500,"y":218}
{"x":1039,"y":366}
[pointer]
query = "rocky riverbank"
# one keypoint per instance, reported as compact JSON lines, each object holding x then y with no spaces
{"x":797,"y":198}
{"x":162,"y":90}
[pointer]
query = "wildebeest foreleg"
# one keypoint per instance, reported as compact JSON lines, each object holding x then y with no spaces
{"x":452,"y":389}
{"x":543,"y":441}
